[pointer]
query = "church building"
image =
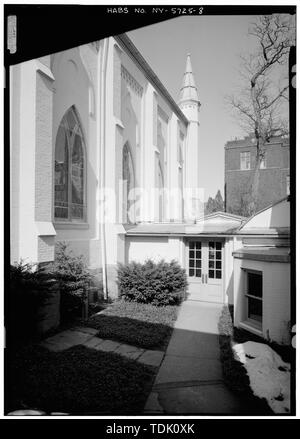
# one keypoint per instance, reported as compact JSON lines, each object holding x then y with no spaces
{"x":98,"y":143}
{"x":103,"y":159}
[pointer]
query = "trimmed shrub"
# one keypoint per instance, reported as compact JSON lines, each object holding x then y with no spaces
{"x":162,"y":283}
{"x":31,"y":288}
{"x":73,"y":279}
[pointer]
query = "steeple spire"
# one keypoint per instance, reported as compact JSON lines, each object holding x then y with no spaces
{"x":188,"y":91}
{"x":189,"y":105}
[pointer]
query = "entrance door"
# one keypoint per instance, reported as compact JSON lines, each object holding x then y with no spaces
{"x":205,"y":270}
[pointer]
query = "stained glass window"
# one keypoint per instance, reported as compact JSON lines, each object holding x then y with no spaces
{"x":69,"y":199}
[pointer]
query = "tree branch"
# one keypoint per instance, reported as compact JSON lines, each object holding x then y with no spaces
{"x":281,"y":94}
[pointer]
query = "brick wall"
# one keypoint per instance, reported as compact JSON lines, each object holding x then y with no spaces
{"x":272,"y":180}
{"x":46,"y":245}
{"x":43,"y":158}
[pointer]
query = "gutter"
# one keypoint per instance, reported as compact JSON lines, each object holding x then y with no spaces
{"x":225,"y":234}
{"x":284,"y":258}
{"x":181,"y":235}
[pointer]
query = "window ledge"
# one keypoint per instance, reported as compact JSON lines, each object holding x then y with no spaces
{"x":247,"y":325}
{"x":70,"y":225}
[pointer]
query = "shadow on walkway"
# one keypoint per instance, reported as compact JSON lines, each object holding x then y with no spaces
{"x":190,"y":378}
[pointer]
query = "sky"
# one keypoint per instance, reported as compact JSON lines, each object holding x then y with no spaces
{"x":215,"y":43}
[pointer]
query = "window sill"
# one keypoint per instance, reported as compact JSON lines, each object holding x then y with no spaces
{"x":250,"y":326}
{"x":70,"y":225}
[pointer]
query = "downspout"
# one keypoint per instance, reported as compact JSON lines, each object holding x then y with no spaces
{"x":101,"y":104}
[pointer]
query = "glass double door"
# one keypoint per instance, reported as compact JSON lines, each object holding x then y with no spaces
{"x":205,"y":269}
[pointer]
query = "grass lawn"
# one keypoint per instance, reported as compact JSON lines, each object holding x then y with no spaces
{"x":138,"y":324}
{"x":234,"y":373}
{"x":76,"y":381}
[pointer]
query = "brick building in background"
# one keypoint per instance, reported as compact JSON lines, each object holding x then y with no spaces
{"x":274,"y":179}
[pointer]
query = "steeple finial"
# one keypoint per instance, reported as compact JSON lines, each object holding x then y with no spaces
{"x":188,"y":91}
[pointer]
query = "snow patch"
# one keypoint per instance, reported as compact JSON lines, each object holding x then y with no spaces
{"x":269,"y":376}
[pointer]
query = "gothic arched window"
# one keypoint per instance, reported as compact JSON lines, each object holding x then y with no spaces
{"x":70,"y":170}
{"x":129,"y":184}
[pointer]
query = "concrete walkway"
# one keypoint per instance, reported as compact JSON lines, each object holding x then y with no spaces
{"x":190,"y":378}
{"x":87,"y":337}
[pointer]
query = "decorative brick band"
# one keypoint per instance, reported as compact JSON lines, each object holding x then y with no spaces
{"x":131,"y":81}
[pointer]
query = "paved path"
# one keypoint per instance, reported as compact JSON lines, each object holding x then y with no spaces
{"x":87,"y":337}
{"x":190,"y":378}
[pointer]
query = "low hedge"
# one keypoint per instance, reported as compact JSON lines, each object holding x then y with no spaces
{"x":159,"y":283}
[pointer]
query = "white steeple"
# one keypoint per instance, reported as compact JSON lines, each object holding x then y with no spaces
{"x":188,"y":91}
{"x":189,"y":104}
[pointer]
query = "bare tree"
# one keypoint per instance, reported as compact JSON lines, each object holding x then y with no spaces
{"x":259,"y":102}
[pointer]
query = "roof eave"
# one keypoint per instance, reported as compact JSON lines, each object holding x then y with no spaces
{"x":131,"y":49}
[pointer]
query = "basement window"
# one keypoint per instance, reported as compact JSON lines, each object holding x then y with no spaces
{"x":254,"y":298}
